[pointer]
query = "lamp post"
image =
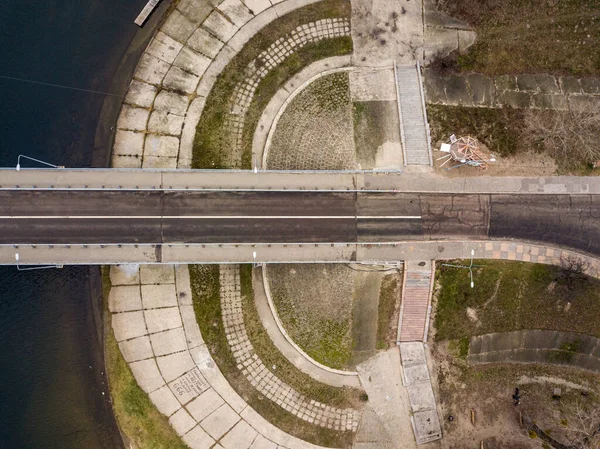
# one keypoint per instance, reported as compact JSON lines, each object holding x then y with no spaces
{"x":469,"y":267}
{"x":33,"y":268}
{"x":35,"y":160}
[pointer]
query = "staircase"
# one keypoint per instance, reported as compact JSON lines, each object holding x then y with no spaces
{"x":415,"y":309}
{"x":413,"y":118}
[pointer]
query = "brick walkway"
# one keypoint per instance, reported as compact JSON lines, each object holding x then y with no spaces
{"x":261,"y":377}
{"x":416,"y":301}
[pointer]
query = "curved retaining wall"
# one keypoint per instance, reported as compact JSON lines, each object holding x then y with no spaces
{"x":537,"y":346}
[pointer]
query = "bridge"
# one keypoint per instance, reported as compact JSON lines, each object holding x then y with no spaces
{"x":104,"y":216}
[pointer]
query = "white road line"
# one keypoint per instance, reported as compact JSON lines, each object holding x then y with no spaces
{"x":210,"y":217}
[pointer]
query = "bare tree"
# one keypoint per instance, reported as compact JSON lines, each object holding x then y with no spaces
{"x":583,"y":426}
{"x":573,"y":271}
{"x":570,"y":137}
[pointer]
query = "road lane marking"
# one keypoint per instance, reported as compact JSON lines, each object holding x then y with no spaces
{"x":210,"y":217}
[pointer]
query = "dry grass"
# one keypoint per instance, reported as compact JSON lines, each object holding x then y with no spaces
{"x":389,"y":310}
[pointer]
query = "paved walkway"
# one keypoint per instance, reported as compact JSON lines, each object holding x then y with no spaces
{"x":416,"y":300}
{"x":291,"y":351}
{"x":265,"y":379}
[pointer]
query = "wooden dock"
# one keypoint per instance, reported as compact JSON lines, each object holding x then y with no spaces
{"x":141,"y":18}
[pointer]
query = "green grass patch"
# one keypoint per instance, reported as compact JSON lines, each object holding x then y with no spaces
{"x":207,"y":306}
{"x":510,"y":296}
{"x":212,"y":141}
{"x":498,"y":129}
{"x":516,"y":36}
{"x":137,"y":417}
{"x":388,"y":298}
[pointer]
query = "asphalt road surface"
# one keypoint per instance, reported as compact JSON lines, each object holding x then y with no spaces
{"x":75,"y":217}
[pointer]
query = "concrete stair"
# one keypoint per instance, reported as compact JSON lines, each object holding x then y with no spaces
{"x":415,"y":301}
{"x":412,"y":116}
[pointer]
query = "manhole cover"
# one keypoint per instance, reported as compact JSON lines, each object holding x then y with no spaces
{"x":422,"y":264}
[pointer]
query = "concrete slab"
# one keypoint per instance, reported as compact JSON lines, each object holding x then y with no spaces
{"x":168,"y":342}
{"x":125,"y":274}
{"x":164,"y":122}
{"x":205,"y":404}
{"x":240,"y":437}
{"x":236,"y":11}
{"x":192,"y":62}
{"x":182,"y":285}
{"x":124,"y":298}
{"x":240,"y":38}
{"x":158,"y":320}
{"x":151,"y":69}
{"x":427,"y":425}
{"x":132,"y":118}
{"x":154,"y":296}
{"x":412,"y":354}
{"x":178,"y":26}
{"x":197,"y":438}
{"x":164,"y":47}
{"x":416,"y":373}
{"x":128,"y":325}
{"x":204,"y":42}
{"x":219,"y":26}
{"x":165,"y":401}
{"x":157,"y":274}
{"x":367,"y":84}
{"x":182,"y":422}
{"x":189,"y":128}
{"x":189,"y":386}
{"x":171,"y":102}
{"x":126,"y":161}
{"x":159,"y":162}
{"x":257,"y":6}
{"x":140,"y":94}
{"x":192,"y":331}
{"x":569,"y":85}
{"x":220,"y":421}
{"x":482,"y":89}
{"x":147,"y":375}
{"x":261,"y":442}
{"x":175,"y":365}
{"x":136,"y":349}
{"x":195,"y":10}
{"x":180,"y":80}
{"x":421,"y":397}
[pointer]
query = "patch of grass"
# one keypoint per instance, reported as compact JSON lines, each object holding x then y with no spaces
{"x":498,"y":129}
{"x":516,"y":36}
{"x":212,"y":142}
{"x":511,"y":296}
{"x":461,"y":347}
{"x":372,"y":128}
{"x":137,"y":417}
{"x":207,"y":306}
{"x":386,"y":316}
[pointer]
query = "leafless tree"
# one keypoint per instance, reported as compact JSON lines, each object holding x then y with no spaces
{"x":570,"y":137}
{"x":573,"y":271}
{"x":583,"y":426}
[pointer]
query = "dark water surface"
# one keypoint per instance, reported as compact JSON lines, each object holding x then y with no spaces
{"x":49,"y":395}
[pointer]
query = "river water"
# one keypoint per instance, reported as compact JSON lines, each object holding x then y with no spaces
{"x":51,"y":374}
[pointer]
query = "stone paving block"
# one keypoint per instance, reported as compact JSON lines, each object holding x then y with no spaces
{"x":147,"y":375}
{"x":456,"y":91}
{"x":205,"y":404}
{"x":189,"y":128}
{"x":507,"y":340}
{"x":189,"y":386}
{"x":505,"y":82}
{"x":126,"y":161}
{"x":175,"y":365}
{"x":549,"y":101}
{"x":128,"y":143}
{"x":164,"y":47}
{"x":164,"y":122}
{"x":482,"y":89}
{"x":547,"y":84}
{"x":151,"y":69}
{"x":182,"y":285}
{"x":466,"y":38}
{"x":168,"y":342}
{"x":125,"y":274}
{"x":240,"y":437}
{"x":421,"y":396}
{"x":583,"y":103}
{"x":195,"y":10}
{"x":171,"y":102}
{"x":569,"y":85}
{"x":180,"y":80}
{"x":178,"y":26}
{"x":257,"y":6}
{"x":434,"y":86}
{"x":268,"y":430}
{"x":165,"y":401}
{"x":136,"y":349}
{"x":412,"y":354}
{"x":192,"y":331}
{"x":124,"y":298}
{"x":416,"y":373}
{"x":427,"y":425}
{"x":527,"y":82}
{"x":192,"y":62}
{"x":283,"y":7}
{"x":158,"y":296}
{"x":236,"y":11}
{"x":475,"y":345}
{"x":182,"y":422}
{"x":220,"y":421}
{"x":219,"y":26}
{"x":140,"y":94}
{"x":157,"y":274}
{"x":133,"y":118}
{"x":590,"y":86}
{"x":128,"y":325}
{"x":514,"y":99}
{"x":262,"y":443}
{"x":203,"y":42}
{"x":158,"y":320}
{"x":198,"y":439}
{"x":159,"y":162}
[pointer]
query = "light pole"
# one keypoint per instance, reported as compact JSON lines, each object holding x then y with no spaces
{"x":469,"y":267}
{"x":33,"y":268}
{"x":35,"y":160}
